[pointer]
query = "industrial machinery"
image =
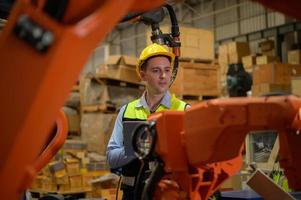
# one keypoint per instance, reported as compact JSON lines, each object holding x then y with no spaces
{"x":209,"y":138}
{"x":43,"y":48}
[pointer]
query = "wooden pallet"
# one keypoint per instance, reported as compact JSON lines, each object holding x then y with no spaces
{"x":107,"y":107}
{"x":196,"y":97}
{"x":193,"y":99}
{"x":102,"y":79}
{"x":79,"y":192}
{"x":195,"y":60}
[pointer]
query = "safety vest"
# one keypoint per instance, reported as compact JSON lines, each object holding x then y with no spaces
{"x":141,"y":114}
{"x":133,"y":113}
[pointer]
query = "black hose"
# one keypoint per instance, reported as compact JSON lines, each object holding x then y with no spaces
{"x":139,"y":181}
{"x":175,"y":32}
{"x":118,"y":187}
{"x":175,"y":70}
{"x":151,"y":183}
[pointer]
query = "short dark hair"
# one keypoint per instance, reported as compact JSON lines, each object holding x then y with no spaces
{"x":144,"y":64}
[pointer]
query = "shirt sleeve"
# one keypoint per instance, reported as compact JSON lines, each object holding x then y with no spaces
{"x":116,"y":156}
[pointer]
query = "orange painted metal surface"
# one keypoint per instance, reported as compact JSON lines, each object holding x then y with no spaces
{"x":35,"y":85}
{"x":56,"y":141}
{"x":202,"y":147}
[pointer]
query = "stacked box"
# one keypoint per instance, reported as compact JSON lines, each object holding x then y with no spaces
{"x":73,"y":118}
{"x":87,"y":181}
{"x":197,"y":79}
{"x":97,"y":91}
{"x":72,"y":166}
{"x":296,"y":85}
{"x":96,"y":129}
{"x":262,"y":60}
{"x":106,"y":187}
{"x":274,"y":77}
{"x":294,"y":57}
{"x":249,"y":62}
{"x":48,"y":184}
{"x":261,"y":89}
{"x":223,"y":58}
{"x":71,"y":109}
{"x":66,"y":174}
{"x":75,"y":182}
{"x":119,"y":67}
{"x":75,"y":147}
{"x":267,"y":48}
{"x":196,"y":43}
{"x":237,"y":50}
{"x":275,"y":73}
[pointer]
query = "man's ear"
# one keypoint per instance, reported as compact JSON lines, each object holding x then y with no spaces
{"x":142,"y":75}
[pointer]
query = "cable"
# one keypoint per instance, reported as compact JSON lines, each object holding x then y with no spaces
{"x":118,"y":187}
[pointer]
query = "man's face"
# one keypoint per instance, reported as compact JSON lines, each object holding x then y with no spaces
{"x":157,"y":74}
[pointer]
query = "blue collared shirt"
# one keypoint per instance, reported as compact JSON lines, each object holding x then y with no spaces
{"x":116,"y":156}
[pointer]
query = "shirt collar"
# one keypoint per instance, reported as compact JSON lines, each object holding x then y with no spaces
{"x":166,"y":101}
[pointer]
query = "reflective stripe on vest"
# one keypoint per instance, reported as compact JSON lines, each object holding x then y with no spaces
{"x":140,"y":113}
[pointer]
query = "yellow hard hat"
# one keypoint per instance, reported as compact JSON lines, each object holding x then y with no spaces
{"x":153,"y":50}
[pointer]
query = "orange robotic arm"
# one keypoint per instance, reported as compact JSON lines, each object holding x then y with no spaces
{"x":43,"y":48}
{"x":201,"y":148}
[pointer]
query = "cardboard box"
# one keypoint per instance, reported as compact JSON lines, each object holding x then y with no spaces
{"x":265,"y":186}
{"x":249,"y":61}
{"x":96,"y":91}
{"x":239,"y":47}
{"x":62,"y":180}
{"x":119,"y":67}
{"x":195,"y":43}
{"x":57,"y":168}
{"x":261,"y":89}
{"x":75,"y":182}
{"x":73,"y":123}
{"x":100,"y":168}
{"x":106,"y":187}
{"x":267,"y":45}
{"x":72,"y":166}
{"x":296,"y":86}
{"x":223,"y":69}
{"x":86,"y":180}
{"x":37,"y":183}
{"x":73,"y":119}
{"x":48,"y":184}
{"x":269,"y":53}
{"x":223,"y":49}
{"x":96,"y":130}
{"x":46,"y":171}
{"x":75,"y":147}
{"x":223,"y":59}
{"x":275,"y":73}
{"x":262,"y":60}
{"x":196,"y":79}
{"x":64,"y":187}
{"x":110,"y":194}
{"x":294,"y":57}
{"x":237,"y":50}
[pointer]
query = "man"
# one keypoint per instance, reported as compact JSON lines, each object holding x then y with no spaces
{"x":155,"y":69}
